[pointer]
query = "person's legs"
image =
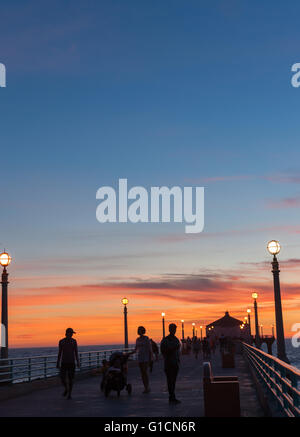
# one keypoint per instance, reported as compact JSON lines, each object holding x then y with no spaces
{"x":174,"y":377}
{"x":169,"y":383}
{"x":144,"y":374}
{"x":63,"y":377}
{"x":71,"y":374}
{"x":171,"y":373}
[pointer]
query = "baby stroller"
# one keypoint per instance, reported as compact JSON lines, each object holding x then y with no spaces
{"x":115,"y":377}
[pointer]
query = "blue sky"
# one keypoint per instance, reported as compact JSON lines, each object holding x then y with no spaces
{"x":162,"y":93}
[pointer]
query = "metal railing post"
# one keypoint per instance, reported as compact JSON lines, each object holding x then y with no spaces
{"x":11,"y":371}
{"x":29,"y":369}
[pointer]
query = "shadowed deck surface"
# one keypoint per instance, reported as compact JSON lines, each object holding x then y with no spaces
{"x":89,"y":401}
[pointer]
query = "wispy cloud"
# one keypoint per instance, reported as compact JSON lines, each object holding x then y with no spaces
{"x":283,"y":178}
{"x":220,"y":179}
{"x":287,"y":202}
{"x":288,"y":264}
{"x":176,"y":238}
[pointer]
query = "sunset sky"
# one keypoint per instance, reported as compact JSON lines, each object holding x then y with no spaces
{"x":161,"y":93}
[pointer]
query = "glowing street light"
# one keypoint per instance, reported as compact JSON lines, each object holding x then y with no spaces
{"x":249,"y":321}
{"x":193,"y":324}
{"x":201,"y":327}
{"x":163,"y":324}
{"x":273,"y":247}
{"x":5,"y":260}
{"x":125,"y":302}
{"x":257,"y":339}
{"x":182,"y":327}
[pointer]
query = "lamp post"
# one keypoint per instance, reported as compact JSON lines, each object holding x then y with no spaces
{"x":182,"y":327}
{"x":257,"y":339}
{"x":193,"y":324}
{"x":274,"y":248}
{"x":163,"y":324}
{"x":249,"y":321}
{"x":125,"y":302}
{"x":201,"y":327}
{"x":5,"y":260}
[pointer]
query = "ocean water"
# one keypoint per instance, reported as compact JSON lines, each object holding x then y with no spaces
{"x":41,"y":351}
{"x":292,"y":352}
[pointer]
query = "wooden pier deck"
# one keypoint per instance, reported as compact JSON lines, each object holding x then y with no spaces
{"x":88,"y":401}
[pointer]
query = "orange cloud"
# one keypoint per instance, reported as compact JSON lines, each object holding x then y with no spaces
{"x":39,"y":316}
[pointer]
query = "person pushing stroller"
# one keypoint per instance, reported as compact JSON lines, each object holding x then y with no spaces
{"x":115,"y":374}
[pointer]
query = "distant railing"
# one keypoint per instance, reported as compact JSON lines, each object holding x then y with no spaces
{"x":15,"y":370}
{"x":281,"y":379}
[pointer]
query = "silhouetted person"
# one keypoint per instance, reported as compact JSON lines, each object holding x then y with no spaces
{"x":155,"y":351}
{"x":170,"y":347}
{"x":205,"y":348}
{"x":188,"y":344}
{"x":196,"y":346}
{"x":143,"y":348}
{"x":212,"y":344}
{"x":67,"y":354}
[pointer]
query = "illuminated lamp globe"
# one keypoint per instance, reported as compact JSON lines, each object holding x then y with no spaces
{"x":273,"y":247}
{"x":5,"y":259}
{"x":254,"y":295}
{"x":124,"y":301}
{"x":163,"y":314}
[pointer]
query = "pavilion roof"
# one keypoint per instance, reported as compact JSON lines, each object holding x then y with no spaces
{"x":226,"y":322}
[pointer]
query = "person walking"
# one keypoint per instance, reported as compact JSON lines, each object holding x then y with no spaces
{"x":67,"y":354}
{"x":196,"y":347}
{"x":155,"y":352}
{"x":143,"y":348}
{"x":170,"y":348}
{"x":205,"y":348}
{"x":212,"y":344}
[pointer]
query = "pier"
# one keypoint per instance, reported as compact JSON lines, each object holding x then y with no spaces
{"x":88,"y":400}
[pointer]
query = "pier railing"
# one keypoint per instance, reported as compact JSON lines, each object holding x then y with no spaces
{"x":15,"y":370}
{"x":280,"y":379}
